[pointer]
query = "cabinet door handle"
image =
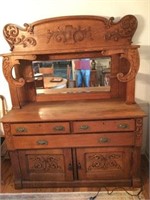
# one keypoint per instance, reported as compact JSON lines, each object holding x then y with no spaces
{"x":59,"y":128}
{"x":42,"y":142}
{"x":124,"y":126}
{"x":84,"y":127}
{"x":79,"y":165}
{"x":70,"y":168}
{"x":21,"y":130}
{"x":103,"y":140}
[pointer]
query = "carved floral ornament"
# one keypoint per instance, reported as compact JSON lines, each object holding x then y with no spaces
{"x":67,"y":33}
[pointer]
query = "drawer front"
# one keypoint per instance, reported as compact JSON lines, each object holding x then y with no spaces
{"x":103,"y":126}
{"x":40,"y":128}
{"x":74,"y":140}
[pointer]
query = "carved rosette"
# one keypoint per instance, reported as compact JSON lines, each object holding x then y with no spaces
{"x":103,"y":162}
{"x":14,"y":36}
{"x":125,"y":28}
{"x":132,"y":56}
{"x":8,"y":64}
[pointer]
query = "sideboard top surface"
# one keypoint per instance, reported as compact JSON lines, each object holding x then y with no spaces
{"x":70,"y":110}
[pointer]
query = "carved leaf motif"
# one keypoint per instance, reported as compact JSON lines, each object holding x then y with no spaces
{"x":14,"y":36}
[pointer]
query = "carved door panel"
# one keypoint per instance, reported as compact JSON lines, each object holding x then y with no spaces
{"x":104,"y":163}
{"x":46,"y":165}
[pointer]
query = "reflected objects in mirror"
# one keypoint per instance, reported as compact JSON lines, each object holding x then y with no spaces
{"x":74,"y":73}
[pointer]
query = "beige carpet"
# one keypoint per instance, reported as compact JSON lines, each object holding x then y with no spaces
{"x":119,"y":195}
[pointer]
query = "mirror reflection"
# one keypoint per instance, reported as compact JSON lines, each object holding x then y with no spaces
{"x":75,"y":73}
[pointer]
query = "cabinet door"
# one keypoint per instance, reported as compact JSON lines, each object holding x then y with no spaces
{"x":46,"y":165}
{"x":104,"y":163}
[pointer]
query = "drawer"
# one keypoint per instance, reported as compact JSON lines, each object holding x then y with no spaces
{"x":73,"y":140}
{"x":40,"y":128}
{"x":103,"y":126}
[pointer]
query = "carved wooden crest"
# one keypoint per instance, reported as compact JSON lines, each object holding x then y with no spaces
{"x":72,"y":33}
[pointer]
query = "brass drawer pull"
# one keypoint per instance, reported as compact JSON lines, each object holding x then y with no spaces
{"x":21,"y":130}
{"x":42,"y":142}
{"x":103,"y":140}
{"x":59,"y":128}
{"x":84,"y":127}
{"x":124,"y":126}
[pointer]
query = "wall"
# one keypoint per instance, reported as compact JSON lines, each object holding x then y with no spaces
{"x":28,"y":11}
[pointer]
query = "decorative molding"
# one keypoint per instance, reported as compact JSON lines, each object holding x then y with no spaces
{"x":103,"y":161}
{"x":139,"y":127}
{"x":13,"y":36}
{"x":69,"y":34}
{"x":42,"y":163}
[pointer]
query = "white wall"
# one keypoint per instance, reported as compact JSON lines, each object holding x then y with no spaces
{"x":28,"y":11}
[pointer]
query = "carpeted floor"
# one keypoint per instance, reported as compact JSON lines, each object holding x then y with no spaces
{"x":119,"y":195}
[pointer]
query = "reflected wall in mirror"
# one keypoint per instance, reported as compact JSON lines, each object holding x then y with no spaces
{"x":74,"y":73}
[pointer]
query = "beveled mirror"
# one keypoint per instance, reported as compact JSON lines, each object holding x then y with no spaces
{"x":60,"y":74}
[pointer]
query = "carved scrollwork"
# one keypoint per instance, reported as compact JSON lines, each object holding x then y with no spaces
{"x":132,"y":56}
{"x":14,"y":36}
{"x":69,"y":34}
{"x":8,"y":64}
{"x":42,"y":163}
{"x":100,"y":161}
{"x":127,"y":27}
{"x":7,"y":70}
